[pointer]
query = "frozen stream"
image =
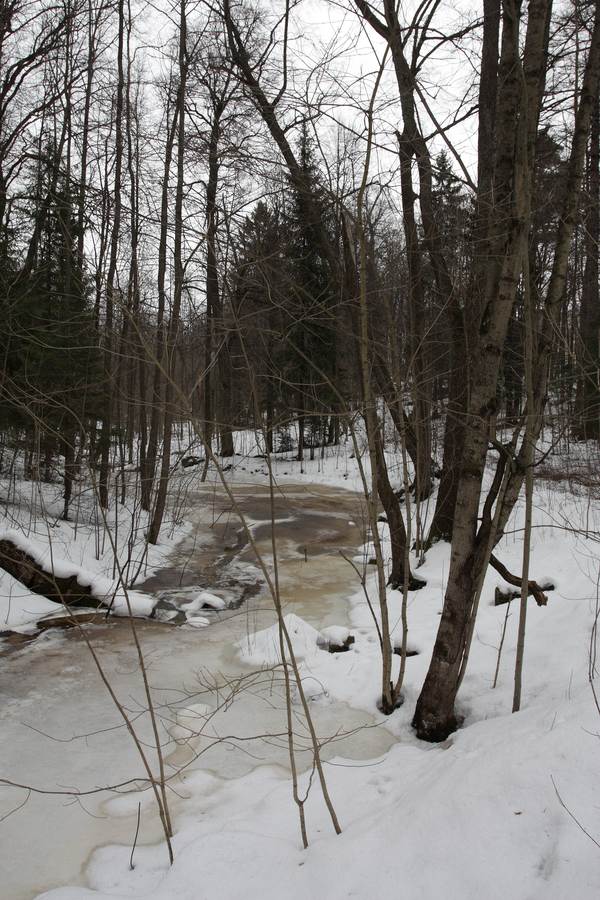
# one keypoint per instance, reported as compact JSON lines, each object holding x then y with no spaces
{"x":60,"y":730}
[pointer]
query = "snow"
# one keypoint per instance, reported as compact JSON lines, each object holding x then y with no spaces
{"x":111,"y":593}
{"x":84,"y":550}
{"x":335,"y":634}
{"x":20,"y":608}
{"x":197,"y":621}
{"x":190,"y":722}
{"x":263,"y":647}
{"x":487,"y":814}
{"x":477,"y":818}
{"x":207,"y":599}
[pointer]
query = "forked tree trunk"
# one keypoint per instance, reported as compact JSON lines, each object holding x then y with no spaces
{"x":435,"y":715}
{"x":393,"y":513}
{"x":443,"y":516}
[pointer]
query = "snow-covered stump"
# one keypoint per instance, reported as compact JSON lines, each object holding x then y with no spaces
{"x":410,"y":651}
{"x":335,"y":639}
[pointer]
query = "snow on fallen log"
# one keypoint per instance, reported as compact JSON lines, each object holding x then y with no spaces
{"x":504,"y":595}
{"x":206,"y":600}
{"x":57,"y":579}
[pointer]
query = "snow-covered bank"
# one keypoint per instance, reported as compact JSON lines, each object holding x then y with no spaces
{"x":481,"y":816}
{"x":111,"y":594}
{"x":102,"y":552}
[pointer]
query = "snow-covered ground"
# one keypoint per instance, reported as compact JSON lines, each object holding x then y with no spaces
{"x":104,"y":552}
{"x":497,"y":811}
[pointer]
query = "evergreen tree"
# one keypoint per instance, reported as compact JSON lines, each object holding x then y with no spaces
{"x":450,"y":205}
{"x":51,"y":375}
{"x":312,"y":306}
{"x":260,"y":294}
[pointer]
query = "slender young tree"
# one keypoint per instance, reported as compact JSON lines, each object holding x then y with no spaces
{"x":587,"y":405}
{"x":178,"y":284}
{"x":104,"y":444}
{"x":151,"y":453}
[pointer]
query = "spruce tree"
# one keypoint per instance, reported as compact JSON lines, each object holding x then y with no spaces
{"x":312,"y":306}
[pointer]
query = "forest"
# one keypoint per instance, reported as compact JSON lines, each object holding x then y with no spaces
{"x":299,"y":448}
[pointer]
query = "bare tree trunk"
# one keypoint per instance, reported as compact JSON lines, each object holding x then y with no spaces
{"x":434,"y":716}
{"x":403,"y":423}
{"x":158,"y":376}
{"x":161,"y":495}
{"x":393,"y":513}
{"x":421,"y":418}
{"x":587,"y":408}
{"x":216,"y":336}
{"x":137,"y":374}
{"x":528,"y":461}
{"x":443,"y":517}
{"x":107,"y":415}
{"x":301,"y":426}
{"x":212,"y":277}
{"x":89,"y":80}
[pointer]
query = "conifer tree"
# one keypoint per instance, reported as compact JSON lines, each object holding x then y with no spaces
{"x":312,"y":299}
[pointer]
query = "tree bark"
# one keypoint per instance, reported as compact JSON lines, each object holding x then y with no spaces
{"x":107,"y":414}
{"x":587,"y":408}
{"x":160,"y":361}
{"x":161,"y":494}
{"x":435,"y":717}
{"x":517,"y":116}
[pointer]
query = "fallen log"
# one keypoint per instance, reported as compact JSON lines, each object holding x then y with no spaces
{"x":70,"y":621}
{"x":24,"y":568}
{"x":533,"y":588}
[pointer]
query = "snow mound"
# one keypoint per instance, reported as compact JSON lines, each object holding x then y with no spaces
{"x":262,"y":647}
{"x":334,"y":634}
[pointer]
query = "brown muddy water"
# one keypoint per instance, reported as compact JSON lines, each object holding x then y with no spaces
{"x":59,"y":730}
